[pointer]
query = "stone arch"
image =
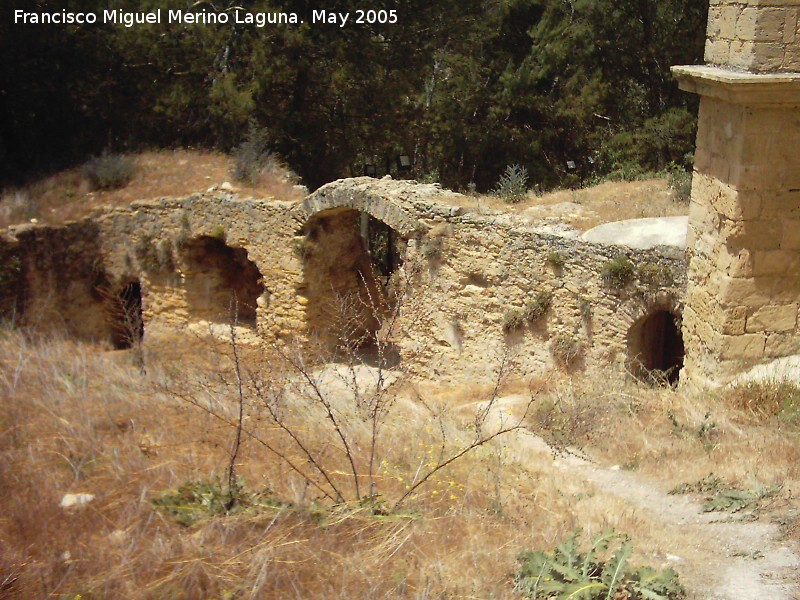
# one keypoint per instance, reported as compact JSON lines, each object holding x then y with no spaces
{"x":350,"y":265}
{"x":365,"y":198}
{"x":654,"y":341}
{"x":217,"y":274}
{"x":126,"y":315}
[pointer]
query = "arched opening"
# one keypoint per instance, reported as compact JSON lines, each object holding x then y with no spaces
{"x":655,"y":348}
{"x":127,"y":321}
{"x":221,"y":282}
{"x":350,"y":260}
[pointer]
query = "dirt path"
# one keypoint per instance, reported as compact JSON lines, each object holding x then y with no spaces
{"x":718,"y":558}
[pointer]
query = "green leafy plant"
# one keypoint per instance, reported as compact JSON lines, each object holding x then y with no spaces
{"x":200,"y":500}
{"x":109,"y":171}
{"x":721,"y":497}
{"x":679,"y":179}
{"x":556,"y":260}
{"x":617,"y":272}
{"x":218,"y":233}
{"x":600,"y":573}
{"x":513,"y":184}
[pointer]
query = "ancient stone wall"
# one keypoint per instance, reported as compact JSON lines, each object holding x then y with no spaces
{"x":479,"y":284}
{"x":754,"y":35}
{"x":744,"y":293}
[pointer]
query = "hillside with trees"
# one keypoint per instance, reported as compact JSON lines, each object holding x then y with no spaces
{"x":464,"y":88}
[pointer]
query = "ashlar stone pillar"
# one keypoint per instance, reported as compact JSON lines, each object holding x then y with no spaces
{"x":744,"y":224}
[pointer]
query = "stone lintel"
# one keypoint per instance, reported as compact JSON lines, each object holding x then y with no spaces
{"x":737,"y":87}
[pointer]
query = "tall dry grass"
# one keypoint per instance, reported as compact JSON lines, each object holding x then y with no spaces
{"x":74,"y":419}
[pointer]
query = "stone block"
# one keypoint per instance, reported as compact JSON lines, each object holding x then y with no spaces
{"x":790,"y":26}
{"x":767,"y":56}
{"x":736,"y":264}
{"x":790,"y":235}
{"x":743,"y":347}
{"x":782,"y":344}
{"x":761,"y":24}
{"x":773,"y":318}
{"x":751,"y":291}
{"x":759,"y":234}
{"x":781,"y":205}
{"x":714,"y":27}
{"x":726,"y":22}
{"x":717,"y":51}
{"x":774,"y":262}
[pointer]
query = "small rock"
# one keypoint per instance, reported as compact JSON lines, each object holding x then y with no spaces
{"x":34,"y":221}
{"x":615,"y":468}
{"x":225,"y":186}
{"x":70,"y":500}
{"x":673,"y":558}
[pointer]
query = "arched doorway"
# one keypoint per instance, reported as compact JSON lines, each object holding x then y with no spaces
{"x":220,"y":279}
{"x":350,"y":259}
{"x":127,"y":321}
{"x":655,"y":347}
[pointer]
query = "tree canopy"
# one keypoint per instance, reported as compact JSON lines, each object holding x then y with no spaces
{"x":463,"y":87}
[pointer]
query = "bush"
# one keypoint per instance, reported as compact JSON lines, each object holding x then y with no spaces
{"x":513,"y":320}
{"x":617,"y":272}
{"x":568,"y":573}
{"x":513,"y":184}
{"x":109,"y":171}
{"x":680,"y":182}
{"x":536,"y":308}
{"x":565,"y":350}
{"x":556,"y":260}
{"x":253,"y":158}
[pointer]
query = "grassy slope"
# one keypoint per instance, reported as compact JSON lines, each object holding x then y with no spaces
{"x":75,"y":419}
{"x":66,"y":195}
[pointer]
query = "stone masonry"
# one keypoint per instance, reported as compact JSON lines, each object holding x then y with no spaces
{"x":744,"y":239}
{"x":472,"y":275}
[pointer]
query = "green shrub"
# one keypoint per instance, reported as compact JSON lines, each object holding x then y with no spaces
{"x":568,"y":573}
{"x":200,"y":500}
{"x":556,"y":260}
{"x":513,"y":184}
{"x":680,"y":182}
{"x":617,"y":272}
{"x":109,"y":171}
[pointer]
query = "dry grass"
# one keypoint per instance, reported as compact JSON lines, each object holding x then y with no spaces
{"x":588,"y":207}
{"x":75,"y":419}
{"x":66,"y":195}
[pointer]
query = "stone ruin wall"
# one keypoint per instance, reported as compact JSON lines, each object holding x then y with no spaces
{"x":486,"y":266}
{"x":755,"y":35}
{"x":744,"y":229}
